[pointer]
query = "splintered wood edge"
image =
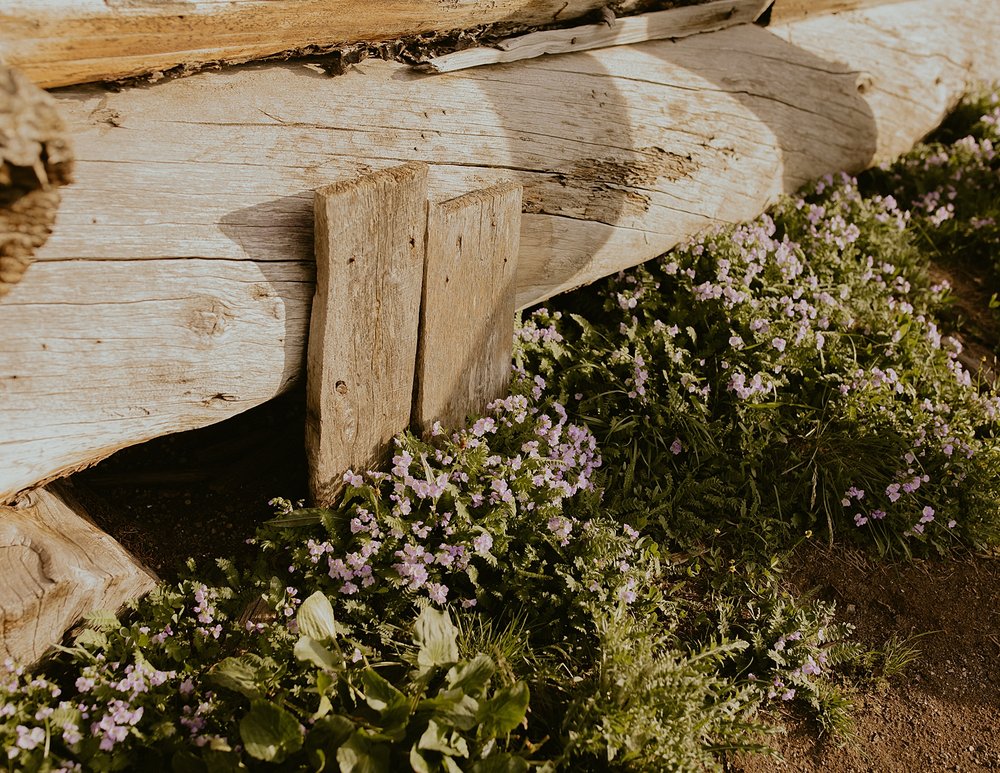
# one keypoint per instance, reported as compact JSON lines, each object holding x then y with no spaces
{"x":671,"y":23}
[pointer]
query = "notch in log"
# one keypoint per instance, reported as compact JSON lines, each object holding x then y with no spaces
{"x":57,"y":566}
{"x":467,"y":316}
{"x":363,"y":332}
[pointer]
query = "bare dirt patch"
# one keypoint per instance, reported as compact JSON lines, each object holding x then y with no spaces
{"x":943,"y":712}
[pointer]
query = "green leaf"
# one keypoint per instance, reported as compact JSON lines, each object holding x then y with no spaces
{"x":311,"y":651}
{"x":453,"y":707}
{"x":379,"y":694}
{"x":269,"y":732}
{"x":450,"y":765}
{"x":325,"y":736}
{"x":473,"y":676}
{"x":417,"y":761}
{"x":504,"y":711}
{"x":500,"y":763}
{"x":91,"y":639}
{"x":239,"y":675}
{"x":438,"y":739}
{"x":437,"y":638}
{"x":392,"y":705}
{"x":103,"y":620}
{"x":359,"y":755}
{"x":308,"y":516}
{"x":315,"y":618}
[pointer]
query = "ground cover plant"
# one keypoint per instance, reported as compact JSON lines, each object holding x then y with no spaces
{"x":587,"y":577}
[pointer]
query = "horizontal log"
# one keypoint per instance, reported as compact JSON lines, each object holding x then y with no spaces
{"x":175,"y":289}
{"x":62,"y":42}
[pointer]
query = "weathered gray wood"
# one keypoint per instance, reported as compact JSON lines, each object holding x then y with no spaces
{"x":363,"y":332}
{"x":59,"y":42}
{"x":35,"y":158}
{"x":673,"y":23}
{"x":175,"y":289}
{"x":467,"y":316}
{"x":55,"y":566}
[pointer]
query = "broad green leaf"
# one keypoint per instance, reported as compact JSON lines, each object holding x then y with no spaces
{"x":269,"y":732}
{"x":324,"y":737}
{"x":437,"y":638}
{"x":500,"y":763}
{"x":437,"y":738}
{"x":450,"y":765}
{"x":392,"y":705}
{"x":504,"y":711}
{"x":239,"y":675}
{"x":311,"y":651}
{"x":360,"y":755}
{"x":417,"y":761}
{"x":315,"y":618}
{"x":452,"y":707}
{"x":473,"y":676}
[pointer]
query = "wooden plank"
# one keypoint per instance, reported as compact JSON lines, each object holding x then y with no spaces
{"x":673,"y":23}
{"x":61,"y":42}
{"x":175,"y":290}
{"x":57,"y":566}
{"x":363,"y":333}
{"x":467,"y":316}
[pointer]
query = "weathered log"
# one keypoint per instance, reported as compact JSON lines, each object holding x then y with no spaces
{"x":35,"y":158}
{"x":56,"y":567}
{"x":61,"y":42}
{"x":175,"y":289}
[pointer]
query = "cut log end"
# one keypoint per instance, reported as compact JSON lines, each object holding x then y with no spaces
{"x":57,"y":566}
{"x":35,"y":158}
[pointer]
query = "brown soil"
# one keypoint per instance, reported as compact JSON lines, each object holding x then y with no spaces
{"x":199,"y":494}
{"x":943,"y":712}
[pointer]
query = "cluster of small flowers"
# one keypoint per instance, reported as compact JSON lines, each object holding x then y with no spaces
{"x":423,"y":524}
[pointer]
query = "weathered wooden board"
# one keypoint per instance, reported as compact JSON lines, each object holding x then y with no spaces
{"x":467,"y":316}
{"x":175,"y":289}
{"x":673,"y":23}
{"x":57,"y":566}
{"x":363,"y":334}
{"x":60,"y":42}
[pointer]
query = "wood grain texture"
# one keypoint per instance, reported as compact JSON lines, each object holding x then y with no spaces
{"x":467,"y":316}
{"x":363,"y":334}
{"x":57,"y":566}
{"x":175,"y":289}
{"x":784,"y":11}
{"x":673,"y":23}
{"x":61,"y":42}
